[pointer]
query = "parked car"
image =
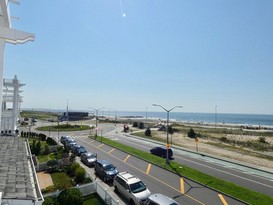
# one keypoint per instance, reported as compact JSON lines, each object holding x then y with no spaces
{"x":75,"y":147}
{"x":162,"y":152}
{"x":89,"y":158}
{"x":63,"y":139}
{"x":105,"y":170}
{"x":71,"y":144}
{"x":68,"y":141}
{"x":80,"y":151}
{"x":131,"y":188}
{"x":160,"y":199}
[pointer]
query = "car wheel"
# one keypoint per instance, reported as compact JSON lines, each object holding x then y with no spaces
{"x":116,"y":189}
{"x":132,"y":202}
{"x":104,"y":179}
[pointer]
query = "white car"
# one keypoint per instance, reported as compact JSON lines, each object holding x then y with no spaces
{"x":131,"y":187}
{"x":160,"y":199}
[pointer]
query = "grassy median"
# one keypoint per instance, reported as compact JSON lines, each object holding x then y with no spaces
{"x":244,"y":194}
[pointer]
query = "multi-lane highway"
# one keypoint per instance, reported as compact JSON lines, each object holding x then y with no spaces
{"x":252,"y":178}
{"x":159,"y":180}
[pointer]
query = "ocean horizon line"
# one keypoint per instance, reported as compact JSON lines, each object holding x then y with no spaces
{"x":141,"y":111}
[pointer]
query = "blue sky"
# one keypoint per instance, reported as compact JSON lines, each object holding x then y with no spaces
{"x":128,"y":54}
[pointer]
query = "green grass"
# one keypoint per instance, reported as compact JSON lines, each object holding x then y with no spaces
{"x":64,"y":127}
{"x":229,"y":188}
{"x":61,"y":180}
{"x":45,"y":158}
{"x":93,"y":199}
{"x":39,"y":115}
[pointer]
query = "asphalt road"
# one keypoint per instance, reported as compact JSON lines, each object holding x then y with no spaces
{"x":248,"y":177}
{"x":157,"y":179}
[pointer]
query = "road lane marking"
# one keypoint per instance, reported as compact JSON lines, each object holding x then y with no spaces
{"x":222,"y":199}
{"x":100,"y":146}
{"x":111,"y":151}
{"x":126,"y":158}
{"x":156,"y":179}
{"x":182,"y":186}
{"x":148,"y":169}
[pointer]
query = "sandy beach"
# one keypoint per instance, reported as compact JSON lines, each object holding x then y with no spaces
{"x":240,"y":155}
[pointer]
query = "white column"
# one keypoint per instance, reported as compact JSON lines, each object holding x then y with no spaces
{"x":2,"y":56}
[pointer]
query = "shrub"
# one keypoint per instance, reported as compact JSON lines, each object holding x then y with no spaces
{"x":223,"y":139}
{"x":49,"y":201}
{"x":262,"y":140}
{"x":80,"y":175}
{"x":148,"y":132}
{"x":141,"y":125}
{"x":47,"y":150}
{"x":191,"y":134}
{"x":72,"y":169}
{"x":135,"y":124}
{"x":70,"y":197}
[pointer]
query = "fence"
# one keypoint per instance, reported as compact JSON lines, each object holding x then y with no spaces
{"x":91,"y":188}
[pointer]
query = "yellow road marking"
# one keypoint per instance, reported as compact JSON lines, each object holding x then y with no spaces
{"x":111,"y":150}
{"x":182,"y":186}
{"x":148,"y":169}
{"x":222,"y":199}
{"x":100,"y":146}
{"x":126,"y":158}
{"x":192,"y":198}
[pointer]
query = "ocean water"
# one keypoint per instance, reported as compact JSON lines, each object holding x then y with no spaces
{"x":219,"y":118}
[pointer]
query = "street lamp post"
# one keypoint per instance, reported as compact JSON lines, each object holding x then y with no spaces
{"x":167,"y":129}
{"x":96,"y":118}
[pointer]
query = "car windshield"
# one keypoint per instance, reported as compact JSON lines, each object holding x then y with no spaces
{"x":137,"y":187}
{"x":109,"y":167}
{"x":91,"y":156}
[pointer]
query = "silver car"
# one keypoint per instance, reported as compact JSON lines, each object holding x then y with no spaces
{"x":131,"y":187}
{"x":89,"y":158}
{"x":160,"y":199}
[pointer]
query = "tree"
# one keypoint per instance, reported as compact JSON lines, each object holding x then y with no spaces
{"x":191,"y":133}
{"x":135,"y":124}
{"x":70,"y":197}
{"x":80,"y":175}
{"x":49,"y":201}
{"x":47,"y":150}
{"x":141,"y":125}
{"x":52,"y":165}
{"x":148,"y":132}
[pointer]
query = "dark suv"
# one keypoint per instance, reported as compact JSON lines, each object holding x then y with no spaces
{"x":162,"y":152}
{"x":105,"y":170}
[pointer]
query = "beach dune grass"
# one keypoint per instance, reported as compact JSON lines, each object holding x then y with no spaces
{"x":241,"y":193}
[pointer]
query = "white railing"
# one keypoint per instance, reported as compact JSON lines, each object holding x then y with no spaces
{"x":91,"y":188}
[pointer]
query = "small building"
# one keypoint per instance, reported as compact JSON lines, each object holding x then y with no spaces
{"x":73,"y":116}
